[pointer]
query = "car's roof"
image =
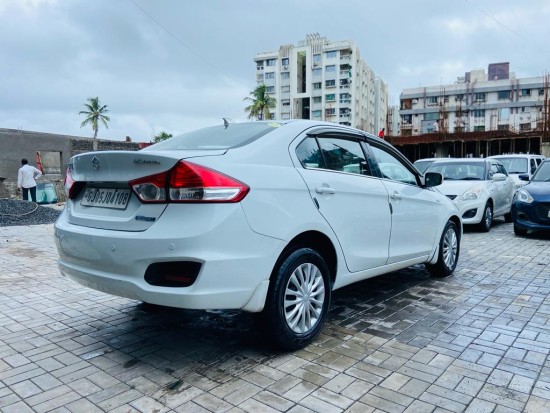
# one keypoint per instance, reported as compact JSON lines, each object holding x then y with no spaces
{"x":517,"y":155}
{"x":462,"y":160}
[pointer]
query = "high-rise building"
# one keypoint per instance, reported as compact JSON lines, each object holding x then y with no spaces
{"x":323,"y":80}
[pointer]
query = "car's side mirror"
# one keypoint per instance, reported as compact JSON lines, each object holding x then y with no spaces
{"x":432,"y":179}
{"x":523,"y":177}
{"x":498,"y":177}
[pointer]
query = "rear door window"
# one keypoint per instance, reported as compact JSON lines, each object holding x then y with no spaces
{"x":335,"y":153}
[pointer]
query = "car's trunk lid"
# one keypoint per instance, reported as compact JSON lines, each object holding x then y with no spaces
{"x":105,"y":199}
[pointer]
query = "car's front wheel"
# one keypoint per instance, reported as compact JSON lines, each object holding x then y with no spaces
{"x":487,"y":219}
{"x":449,"y":249}
{"x":298,"y":299}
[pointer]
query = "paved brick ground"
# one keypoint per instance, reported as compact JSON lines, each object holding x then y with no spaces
{"x":477,"y":341}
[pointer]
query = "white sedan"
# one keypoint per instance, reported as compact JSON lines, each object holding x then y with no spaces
{"x":266,"y":217}
{"x":481,"y":188}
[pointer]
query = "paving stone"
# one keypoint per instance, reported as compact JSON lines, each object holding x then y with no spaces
{"x":475,"y":341}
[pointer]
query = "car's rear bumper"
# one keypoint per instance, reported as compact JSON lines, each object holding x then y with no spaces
{"x":235,"y":261}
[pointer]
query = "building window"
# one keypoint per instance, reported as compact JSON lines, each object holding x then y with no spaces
{"x":285,"y":75}
{"x":317,"y":85}
{"x":285,"y":116}
{"x":331,"y":54}
{"x":432,"y":100}
{"x":525,"y":92}
{"x":330,"y":68}
{"x":316,"y":113}
{"x":479,"y":113}
{"x":458,"y":98}
{"x":330,"y":83}
{"x":503,"y":94}
{"x":285,"y":102}
{"x":285,"y":89}
{"x":330,"y":112}
{"x":317,"y":72}
{"x":316,"y":59}
{"x":431,"y":116}
{"x":270,"y":75}
{"x":541,"y":92}
{"x":317,"y":99}
{"x":479,"y":96}
{"x":480,"y":128}
{"x":284,"y":61}
{"x":270,"y":62}
{"x":331,"y":97}
{"x":270,"y":89}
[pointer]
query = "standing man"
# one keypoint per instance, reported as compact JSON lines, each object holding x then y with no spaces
{"x":26,"y":179}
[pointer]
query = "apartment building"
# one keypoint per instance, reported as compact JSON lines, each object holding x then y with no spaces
{"x":323,"y":80}
{"x":477,"y":102}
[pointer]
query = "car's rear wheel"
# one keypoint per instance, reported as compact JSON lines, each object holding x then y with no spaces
{"x":449,"y":250}
{"x":487,"y":219}
{"x":298,"y":299}
{"x":519,"y":230}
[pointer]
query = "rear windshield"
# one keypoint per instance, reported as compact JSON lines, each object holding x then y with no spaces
{"x":218,"y":137}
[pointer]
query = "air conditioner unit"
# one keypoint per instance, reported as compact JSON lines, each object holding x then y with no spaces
{"x":415,"y":101}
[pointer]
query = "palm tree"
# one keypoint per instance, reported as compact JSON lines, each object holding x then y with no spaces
{"x":162,"y":136}
{"x":94,"y":114}
{"x":261,"y":103}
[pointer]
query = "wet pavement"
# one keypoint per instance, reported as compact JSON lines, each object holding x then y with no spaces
{"x":477,"y":341}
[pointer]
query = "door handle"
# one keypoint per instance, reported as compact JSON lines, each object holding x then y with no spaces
{"x":395,"y":195}
{"x":325,"y":190}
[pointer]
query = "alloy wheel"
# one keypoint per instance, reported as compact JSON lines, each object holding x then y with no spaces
{"x":304,"y":298}
{"x":450,"y":247}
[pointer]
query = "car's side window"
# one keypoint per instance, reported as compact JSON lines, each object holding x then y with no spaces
{"x":309,"y":154}
{"x":391,"y":167}
{"x":533,"y":165}
{"x":502,"y":170}
{"x":337,"y":154}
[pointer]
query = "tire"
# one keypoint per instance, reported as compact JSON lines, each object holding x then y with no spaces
{"x":449,"y":250}
{"x":508,"y":217}
{"x":293,"y":326}
{"x":519,"y":230}
{"x":487,"y":220}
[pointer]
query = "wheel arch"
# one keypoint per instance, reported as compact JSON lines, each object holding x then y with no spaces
{"x":316,"y":241}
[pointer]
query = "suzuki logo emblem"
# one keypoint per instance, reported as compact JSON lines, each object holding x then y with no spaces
{"x":95,"y":163}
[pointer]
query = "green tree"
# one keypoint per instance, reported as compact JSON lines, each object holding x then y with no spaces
{"x":260,"y":104}
{"x":162,"y":136}
{"x":95,"y":114}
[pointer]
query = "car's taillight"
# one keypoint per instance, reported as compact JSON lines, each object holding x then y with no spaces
{"x":189,"y":182}
{"x":69,"y":184}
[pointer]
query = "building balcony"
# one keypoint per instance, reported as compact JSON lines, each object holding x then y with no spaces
{"x":344,"y":58}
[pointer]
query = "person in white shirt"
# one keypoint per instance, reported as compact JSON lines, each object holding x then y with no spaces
{"x":26,"y":179}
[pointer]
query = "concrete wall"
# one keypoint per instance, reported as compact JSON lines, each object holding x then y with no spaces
{"x":17,"y":144}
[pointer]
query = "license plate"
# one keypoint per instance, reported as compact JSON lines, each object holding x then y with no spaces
{"x":106,"y":198}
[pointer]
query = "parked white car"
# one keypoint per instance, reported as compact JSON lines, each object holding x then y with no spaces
{"x":481,"y":189}
{"x":520,"y":164}
{"x":263,"y":216}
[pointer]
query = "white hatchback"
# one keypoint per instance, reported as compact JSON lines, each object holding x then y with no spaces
{"x":481,"y":188}
{"x":266,"y":217}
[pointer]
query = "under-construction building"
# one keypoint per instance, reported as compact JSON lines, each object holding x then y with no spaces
{"x":481,"y":114}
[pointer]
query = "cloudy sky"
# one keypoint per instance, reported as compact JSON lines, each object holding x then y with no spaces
{"x":177,"y":65}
